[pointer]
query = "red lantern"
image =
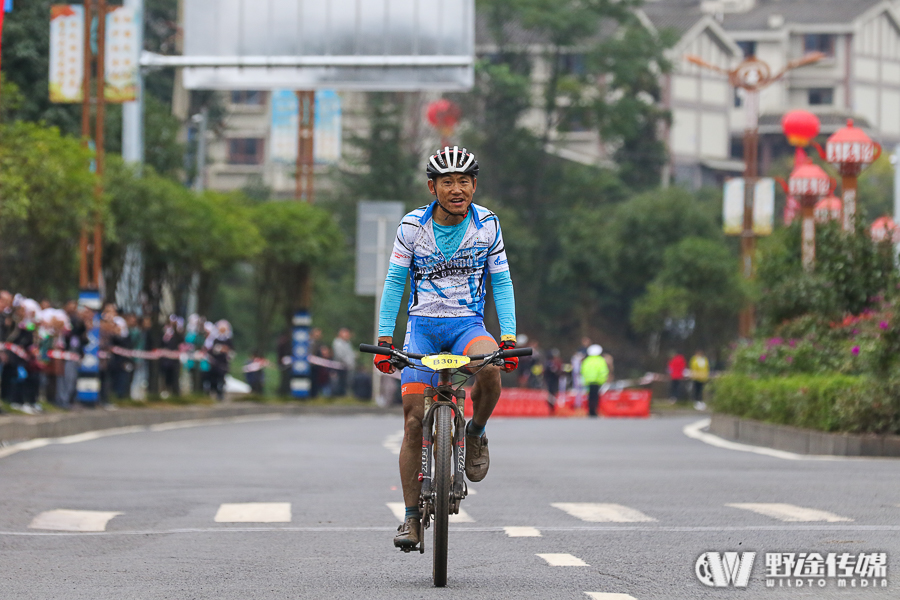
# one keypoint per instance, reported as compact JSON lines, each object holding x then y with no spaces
{"x":849,"y":149}
{"x":808,"y":181}
{"x":443,"y":116}
{"x":800,"y":126}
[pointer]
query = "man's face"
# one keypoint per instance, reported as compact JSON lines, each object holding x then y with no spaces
{"x":454,"y":192}
{"x":5,"y":300}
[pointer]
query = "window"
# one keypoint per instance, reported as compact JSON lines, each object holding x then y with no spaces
{"x":246,"y":151}
{"x":819,"y":42}
{"x":251,"y":97}
{"x":748,"y":48}
{"x":821,"y":96}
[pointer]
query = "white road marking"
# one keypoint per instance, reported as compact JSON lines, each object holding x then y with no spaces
{"x":617,"y":529}
{"x":695,"y":431}
{"x":393,"y":441}
{"x":29,"y":445}
{"x":603,"y":513}
{"x":603,"y":596}
{"x":462,"y":517}
{"x":254,"y":512}
{"x":73,"y":520}
{"x":399,"y":510}
{"x":790,"y":513}
{"x":101,"y":433}
{"x":563,"y":560}
{"x":522,"y":531}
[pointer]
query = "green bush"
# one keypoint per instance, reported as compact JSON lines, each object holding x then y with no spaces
{"x":837,"y":403}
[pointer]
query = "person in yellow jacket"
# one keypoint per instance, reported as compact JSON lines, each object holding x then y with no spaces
{"x":699,"y":367}
{"x":594,"y":373}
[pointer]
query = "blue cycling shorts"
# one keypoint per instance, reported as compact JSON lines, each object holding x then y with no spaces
{"x":427,"y":335}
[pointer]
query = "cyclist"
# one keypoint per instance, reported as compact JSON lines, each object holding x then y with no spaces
{"x":446,"y":250}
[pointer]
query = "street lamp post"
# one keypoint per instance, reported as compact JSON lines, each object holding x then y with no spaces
{"x":808,"y":182}
{"x":752,"y":76}
{"x":850,"y":150}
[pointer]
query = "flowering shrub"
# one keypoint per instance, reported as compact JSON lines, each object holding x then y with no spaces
{"x":830,"y":355}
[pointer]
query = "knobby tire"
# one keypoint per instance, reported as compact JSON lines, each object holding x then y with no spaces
{"x":443,"y":459}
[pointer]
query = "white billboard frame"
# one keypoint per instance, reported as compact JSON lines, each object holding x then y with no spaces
{"x":362,"y":45}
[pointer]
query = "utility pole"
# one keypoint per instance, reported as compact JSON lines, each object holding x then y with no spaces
{"x":91,"y":245}
{"x":300,"y":318}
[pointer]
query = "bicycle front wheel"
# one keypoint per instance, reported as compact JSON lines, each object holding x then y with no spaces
{"x":443,"y":458}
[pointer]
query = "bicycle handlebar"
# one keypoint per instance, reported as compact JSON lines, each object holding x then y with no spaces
{"x":511,"y":353}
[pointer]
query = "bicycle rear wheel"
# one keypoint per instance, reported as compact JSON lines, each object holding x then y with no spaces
{"x":443,"y":457}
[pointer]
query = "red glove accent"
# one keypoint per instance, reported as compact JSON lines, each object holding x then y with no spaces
{"x":383,"y":363}
{"x":509,"y":363}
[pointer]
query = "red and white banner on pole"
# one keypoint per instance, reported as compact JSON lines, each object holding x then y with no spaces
{"x":122,"y":53}
{"x":66,"y":53}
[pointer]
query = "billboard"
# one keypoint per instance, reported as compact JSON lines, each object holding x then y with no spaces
{"x":339,"y":44}
{"x":66,"y":52}
{"x":284,"y":129}
{"x":122,"y":54}
{"x":763,"y":206}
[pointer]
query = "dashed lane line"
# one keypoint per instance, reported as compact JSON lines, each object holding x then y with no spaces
{"x":73,"y":520}
{"x":563,"y":560}
{"x":607,"y":596}
{"x":254,"y":512}
{"x":594,"y":512}
{"x":522,"y":531}
{"x":790,"y":513}
{"x":393,"y":441}
{"x":831,"y":529}
{"x":399,"y":510}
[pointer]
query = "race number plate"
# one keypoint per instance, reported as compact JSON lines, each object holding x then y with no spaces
{"x":445,"y":361}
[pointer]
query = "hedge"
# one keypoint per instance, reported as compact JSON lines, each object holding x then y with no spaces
{"x":836,"y":403}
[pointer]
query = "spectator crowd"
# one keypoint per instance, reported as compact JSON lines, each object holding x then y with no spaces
{"x":44,"y":345}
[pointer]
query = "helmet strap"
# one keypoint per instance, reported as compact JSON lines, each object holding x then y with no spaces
{"x":453,"y":214}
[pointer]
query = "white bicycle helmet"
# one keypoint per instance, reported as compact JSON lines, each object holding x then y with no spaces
{"x":451,"y":160}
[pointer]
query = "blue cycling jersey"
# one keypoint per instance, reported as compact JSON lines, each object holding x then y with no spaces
{"x":449,"y":286}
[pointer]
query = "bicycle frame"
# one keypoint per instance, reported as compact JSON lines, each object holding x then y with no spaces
{"x":442,"y":395}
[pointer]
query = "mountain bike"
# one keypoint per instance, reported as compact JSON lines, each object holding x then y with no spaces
{"x":443,"y":438}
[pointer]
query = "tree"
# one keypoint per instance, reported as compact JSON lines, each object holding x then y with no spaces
{"x":300,"y":240}
{"x":850,"y":272}
{"x":696,"y":294}
{"x":47,"y":196}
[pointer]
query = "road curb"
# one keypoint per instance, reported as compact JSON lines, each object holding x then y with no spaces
{"x":22,"y":428}
{"x":803,"y":441}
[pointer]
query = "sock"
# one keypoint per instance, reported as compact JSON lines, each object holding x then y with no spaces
{"x":413,"y":511}
{"x":474,"y":429}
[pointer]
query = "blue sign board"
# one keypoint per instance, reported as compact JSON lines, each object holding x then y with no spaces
{"x":88,"y":385}
{"x":301,"y":372}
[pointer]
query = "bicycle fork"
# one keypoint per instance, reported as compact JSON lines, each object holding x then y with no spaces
{"x":459,"y":490}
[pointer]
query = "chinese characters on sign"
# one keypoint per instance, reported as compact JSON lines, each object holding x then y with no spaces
{"x":122,"y":54}
{"x":66,"y":52}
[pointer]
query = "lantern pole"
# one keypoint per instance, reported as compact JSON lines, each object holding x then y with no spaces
{"x":752,"y":75}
